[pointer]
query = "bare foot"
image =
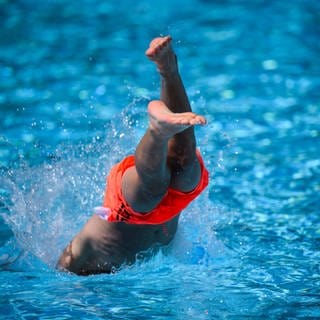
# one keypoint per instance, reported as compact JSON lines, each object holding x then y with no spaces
{"x":161,"y":52}
{"x":166,"y":123}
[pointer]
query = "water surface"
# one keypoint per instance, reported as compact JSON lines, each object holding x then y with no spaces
{"x":73,"y":93}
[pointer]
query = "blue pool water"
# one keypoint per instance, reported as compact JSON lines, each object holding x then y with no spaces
{"x":74,"y":84}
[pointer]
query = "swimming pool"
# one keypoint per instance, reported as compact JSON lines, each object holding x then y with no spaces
{"x":73,"y":91}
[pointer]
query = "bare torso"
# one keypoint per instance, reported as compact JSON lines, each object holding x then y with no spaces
{"x":102,"y":246}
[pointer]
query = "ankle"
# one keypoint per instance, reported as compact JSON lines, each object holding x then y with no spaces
{"x":169,"y":69}
{"x":158,"y":135}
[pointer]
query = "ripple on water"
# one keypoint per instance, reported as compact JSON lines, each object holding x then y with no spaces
{"x":249,"y":246}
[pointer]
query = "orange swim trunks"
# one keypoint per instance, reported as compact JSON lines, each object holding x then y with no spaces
{"x":170,"y":206}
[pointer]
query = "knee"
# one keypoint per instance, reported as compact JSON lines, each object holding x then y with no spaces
{"x":182,"y":155}
{"x":184,"y":161}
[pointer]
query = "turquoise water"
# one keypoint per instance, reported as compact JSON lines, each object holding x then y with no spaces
{"x":73,"y":93}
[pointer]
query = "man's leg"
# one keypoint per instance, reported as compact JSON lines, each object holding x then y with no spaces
{"x":166,"y":154}
{"x":182,"y":157}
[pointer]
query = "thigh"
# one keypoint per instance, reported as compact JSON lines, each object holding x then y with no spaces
{"x":141,"y":197}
